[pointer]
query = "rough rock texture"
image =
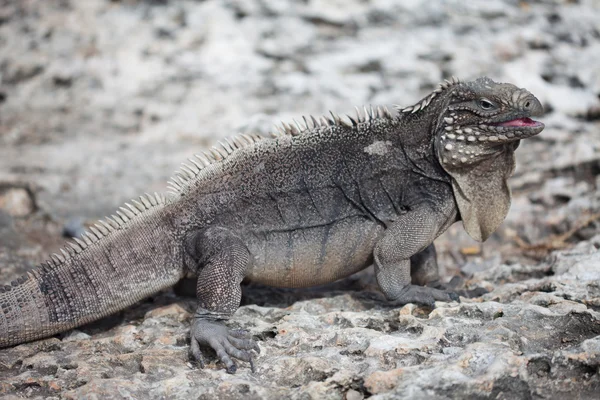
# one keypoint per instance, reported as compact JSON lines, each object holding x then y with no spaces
{"x":100,"y":100}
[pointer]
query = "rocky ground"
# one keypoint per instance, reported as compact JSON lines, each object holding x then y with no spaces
{"x":101,"y":100}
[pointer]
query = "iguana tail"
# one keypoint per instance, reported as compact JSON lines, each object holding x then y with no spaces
{"x":119,"y":262}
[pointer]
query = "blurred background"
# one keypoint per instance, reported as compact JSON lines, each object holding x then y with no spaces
{"x":102,"y":100}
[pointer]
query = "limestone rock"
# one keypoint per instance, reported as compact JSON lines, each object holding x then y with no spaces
{"x":101,"y":100}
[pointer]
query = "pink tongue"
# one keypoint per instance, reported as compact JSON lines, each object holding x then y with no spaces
{"x":518,"y":122}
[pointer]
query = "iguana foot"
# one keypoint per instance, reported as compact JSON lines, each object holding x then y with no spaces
{"x":458,"y":282}
{"x":424,"y":295}
{"x":471,"y":293}
{"x":227,"y":343}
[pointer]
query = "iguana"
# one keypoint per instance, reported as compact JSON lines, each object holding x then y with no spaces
{"x":319,"y":201}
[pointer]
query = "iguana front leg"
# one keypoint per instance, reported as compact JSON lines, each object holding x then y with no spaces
{"x":409,"y":236}
{"x":223,"y":260}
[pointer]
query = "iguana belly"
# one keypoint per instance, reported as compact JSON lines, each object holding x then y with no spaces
{"x":314,"y":255}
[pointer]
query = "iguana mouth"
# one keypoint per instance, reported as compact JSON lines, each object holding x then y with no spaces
{"x":511,"y":130}
{"x":519,"y":122}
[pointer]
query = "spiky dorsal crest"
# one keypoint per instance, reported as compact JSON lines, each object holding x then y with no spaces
{"x":447,"y":84}
{"x":100,"y":230}
{"x":189,"y":172}
{"x":311,"y":123}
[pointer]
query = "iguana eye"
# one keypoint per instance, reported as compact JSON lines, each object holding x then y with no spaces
{"x":486,"y":105}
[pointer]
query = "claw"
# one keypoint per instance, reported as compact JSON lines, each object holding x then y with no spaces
{"x":240,"y":333}
{"x":245,"y":344}
{"x":454,"y":296}
{"x":454,"y":287}
{"x":477,"y":292}
{"x":471,"y":293}
{"x":231,"y":369}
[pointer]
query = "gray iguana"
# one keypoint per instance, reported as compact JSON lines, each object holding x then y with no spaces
{"x":318,"y":202}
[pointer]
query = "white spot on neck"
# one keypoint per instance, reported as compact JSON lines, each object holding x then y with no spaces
{"x":378,"y":147}
{"x":260,"y":167}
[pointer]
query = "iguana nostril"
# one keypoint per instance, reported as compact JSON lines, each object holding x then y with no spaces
{"x":527,"y":104}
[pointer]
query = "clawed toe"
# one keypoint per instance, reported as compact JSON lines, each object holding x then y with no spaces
{"x":454,"y":286}
{"x":453,"y":296}
{"x":471,"y":293}
{"x":244,"y":344}
{"x":240,"y":333}
{"x":196,"y":354}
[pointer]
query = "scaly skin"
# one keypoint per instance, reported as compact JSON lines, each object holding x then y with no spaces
{"x":130,"y":262}
{"x":315,"y":204}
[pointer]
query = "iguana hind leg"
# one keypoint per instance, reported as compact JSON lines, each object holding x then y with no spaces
{"x":223,"y":260}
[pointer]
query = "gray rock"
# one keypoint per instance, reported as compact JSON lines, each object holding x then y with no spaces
{"x":16,"y":201}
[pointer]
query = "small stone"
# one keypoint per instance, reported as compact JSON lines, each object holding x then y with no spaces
{"x":408,"y":309}
{"x":354,"y":395}
{"x":383,"y":381}
{"x":174,"y":311}
{"x":76,"y":335}
{"x":17,"y":202}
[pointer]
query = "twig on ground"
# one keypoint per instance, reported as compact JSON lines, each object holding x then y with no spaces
{"x":555,"y":242}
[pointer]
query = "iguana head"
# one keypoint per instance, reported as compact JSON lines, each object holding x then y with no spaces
{"x":475,"y":139}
